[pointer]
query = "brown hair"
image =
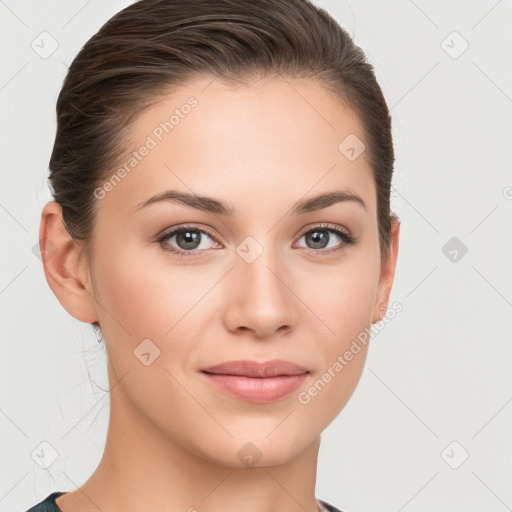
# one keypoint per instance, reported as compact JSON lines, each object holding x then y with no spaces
{"x":153,"y":45}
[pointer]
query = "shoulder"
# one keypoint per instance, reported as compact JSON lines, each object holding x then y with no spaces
{"x":328,"y":507}
{"x":47,"y":505}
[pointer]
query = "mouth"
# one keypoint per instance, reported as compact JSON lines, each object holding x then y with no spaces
{"x":246,"y":368}
{"x":256,"y":382}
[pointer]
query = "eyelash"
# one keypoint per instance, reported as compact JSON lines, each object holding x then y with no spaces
{"x":347,"y":239}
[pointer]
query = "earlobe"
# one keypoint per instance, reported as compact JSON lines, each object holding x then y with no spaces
{"x":387,"y":274}
{"x":61,"y":256}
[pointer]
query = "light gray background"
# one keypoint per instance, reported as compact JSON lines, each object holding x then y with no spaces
{"x":438,"y":373}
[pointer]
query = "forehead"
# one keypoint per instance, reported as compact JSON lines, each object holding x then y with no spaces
{"x":287,"y":135}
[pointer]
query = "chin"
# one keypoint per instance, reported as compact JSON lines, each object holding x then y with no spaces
{"x":258,"y":451}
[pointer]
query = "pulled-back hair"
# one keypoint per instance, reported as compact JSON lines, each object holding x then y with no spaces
{"x":152,"y":46}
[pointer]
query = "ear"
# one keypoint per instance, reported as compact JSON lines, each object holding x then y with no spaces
{"x":65,"y":266}
{"x":387,"y":273}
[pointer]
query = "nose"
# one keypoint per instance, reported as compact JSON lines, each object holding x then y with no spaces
{"x":260,"y":297}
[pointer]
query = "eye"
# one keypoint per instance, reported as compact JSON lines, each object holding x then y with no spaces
{"x":324,"y":238}
{"x":188,"y":239}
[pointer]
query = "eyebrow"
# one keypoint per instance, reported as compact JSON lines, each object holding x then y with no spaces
{"x":210,"y":204}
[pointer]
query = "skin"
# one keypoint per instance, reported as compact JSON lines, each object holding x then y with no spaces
{"x":173,"y":439}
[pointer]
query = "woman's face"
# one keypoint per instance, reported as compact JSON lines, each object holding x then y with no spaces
{"x":269,"y":278}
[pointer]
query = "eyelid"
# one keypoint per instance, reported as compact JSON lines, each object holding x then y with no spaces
{"x":326,"y":225}
{"x":209,"y":232}
{"x":167,"y":232}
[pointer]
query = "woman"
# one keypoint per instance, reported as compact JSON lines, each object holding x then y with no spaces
{"x":221,"y":178}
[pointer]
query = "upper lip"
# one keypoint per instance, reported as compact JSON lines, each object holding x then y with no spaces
{"x":254,"y":369}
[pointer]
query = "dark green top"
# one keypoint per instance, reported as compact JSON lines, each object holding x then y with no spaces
{"x":49,"y":505}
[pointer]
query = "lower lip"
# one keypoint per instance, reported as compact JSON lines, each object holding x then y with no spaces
{"x":254,"y":389}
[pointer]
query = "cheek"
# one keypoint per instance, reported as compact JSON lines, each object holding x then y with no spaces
{"x":147,"y":298}
{"x":331,"y":388}
{"x":341,"y":297}
{"x":139,"y":294}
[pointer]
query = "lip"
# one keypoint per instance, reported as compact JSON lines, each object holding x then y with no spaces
{"x":248,"y":368}
{"x":256,"y":382}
